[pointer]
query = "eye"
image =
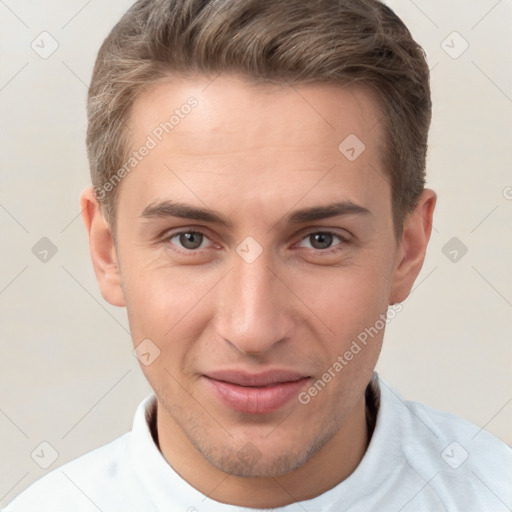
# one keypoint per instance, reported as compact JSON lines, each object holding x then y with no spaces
{"x":321,"y":241}
{"x":189,"y":240}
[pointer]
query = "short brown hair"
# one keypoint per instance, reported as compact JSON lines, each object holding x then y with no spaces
{"x":265,"y":41}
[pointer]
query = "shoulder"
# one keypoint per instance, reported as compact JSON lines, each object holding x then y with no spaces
{"x":459,"y":461}
{"x":83,"y":484}
{"x":464,"y":445}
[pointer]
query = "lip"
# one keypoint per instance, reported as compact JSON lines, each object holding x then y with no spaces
{"x":259,"y":393}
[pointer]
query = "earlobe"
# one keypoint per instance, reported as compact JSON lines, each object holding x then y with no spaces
{"x":102,"y":249}
{"x":413,"y":246}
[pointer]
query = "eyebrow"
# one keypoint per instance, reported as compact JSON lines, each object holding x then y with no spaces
{"x":168,"y":208}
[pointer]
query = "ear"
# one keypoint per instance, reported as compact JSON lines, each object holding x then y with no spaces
{"x":412,"y":247}
{"x":102,"y":248}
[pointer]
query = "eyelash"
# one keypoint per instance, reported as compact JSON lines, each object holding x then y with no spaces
{"x":195,"y":252}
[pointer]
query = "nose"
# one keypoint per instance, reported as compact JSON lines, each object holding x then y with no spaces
{"x":254,"y":306}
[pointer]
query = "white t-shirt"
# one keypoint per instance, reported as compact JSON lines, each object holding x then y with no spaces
{"x":418,"y":459}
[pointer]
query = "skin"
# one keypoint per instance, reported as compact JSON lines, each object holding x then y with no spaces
{"x":255,"y":155}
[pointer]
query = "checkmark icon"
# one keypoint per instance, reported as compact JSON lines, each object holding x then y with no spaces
{"x":454,"y":45}
{"x":146,"y":352}
{"x":249,"y":249}
{"x":351,"y":147}
{"x":44,"y":455}
{"x":454,"y":249}
{"x":44,"y":250}
{"x":45,"y":45}
{"x":454,"y":455}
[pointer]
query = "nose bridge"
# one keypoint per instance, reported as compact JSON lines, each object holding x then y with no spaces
{"x":253,"y":314}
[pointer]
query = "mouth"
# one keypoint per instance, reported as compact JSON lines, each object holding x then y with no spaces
{"x":260,"y":393}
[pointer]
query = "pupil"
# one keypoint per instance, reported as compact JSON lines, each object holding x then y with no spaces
{"x":187,"y":240}
{"x":324,"y":238}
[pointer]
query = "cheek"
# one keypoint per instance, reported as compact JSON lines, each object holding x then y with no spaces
{"x":164,"y":304}
{"x":353,"y":304}
{"x":348,"y":298}
{"x":151,"y":301}
{"x":160,"y":312}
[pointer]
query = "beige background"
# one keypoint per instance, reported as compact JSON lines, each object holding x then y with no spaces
{"x":67,"y":370}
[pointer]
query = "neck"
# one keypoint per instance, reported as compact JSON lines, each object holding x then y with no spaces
{"x":329,"y":466}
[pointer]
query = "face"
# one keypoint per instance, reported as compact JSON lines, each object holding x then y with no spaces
{"x":251,"y":302}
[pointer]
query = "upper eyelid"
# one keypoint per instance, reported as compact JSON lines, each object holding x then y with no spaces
{"x":309,"y":233}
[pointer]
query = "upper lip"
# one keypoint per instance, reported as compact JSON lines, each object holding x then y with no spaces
{"x":266,"y":378}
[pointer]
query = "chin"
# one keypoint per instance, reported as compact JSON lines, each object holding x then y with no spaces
{"x":238,"y":463}
{"x":252,"y":459}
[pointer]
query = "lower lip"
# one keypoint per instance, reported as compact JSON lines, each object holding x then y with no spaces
{"x":256,"y":400}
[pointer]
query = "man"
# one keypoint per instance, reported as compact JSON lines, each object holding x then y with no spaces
{"x":259,"y":207}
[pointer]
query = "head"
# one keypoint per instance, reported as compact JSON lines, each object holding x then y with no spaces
{"x":263,"y":115}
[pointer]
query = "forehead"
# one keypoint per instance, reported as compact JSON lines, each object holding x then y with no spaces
{"x":212,"y":140}
{"x":230,"y":112}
